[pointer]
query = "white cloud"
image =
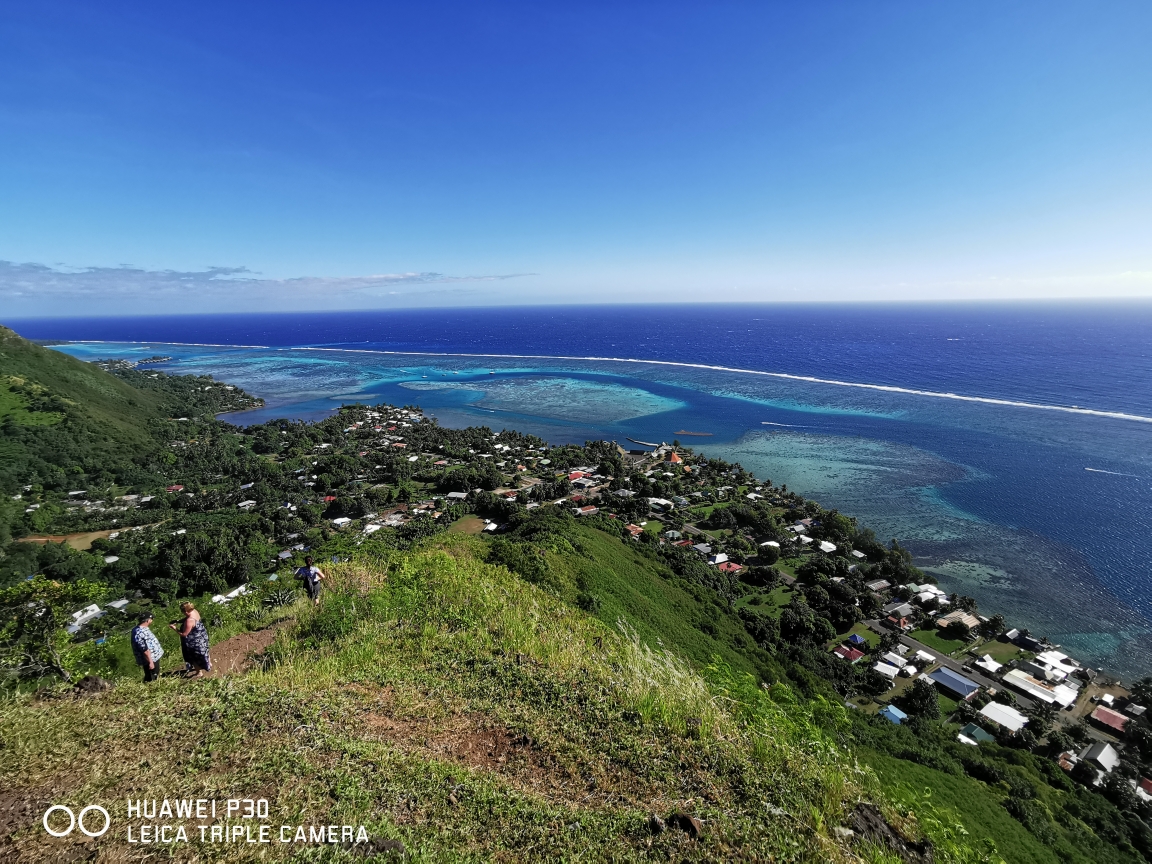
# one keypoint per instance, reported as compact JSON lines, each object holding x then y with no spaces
{"x":41,"y":282}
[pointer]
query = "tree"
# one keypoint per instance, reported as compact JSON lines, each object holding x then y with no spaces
{"x":956,"y":630}
{"x":1042,"y":715}
{"x":993,"y":627}
{"x":920,"y":700}
{"x":34,"y":614}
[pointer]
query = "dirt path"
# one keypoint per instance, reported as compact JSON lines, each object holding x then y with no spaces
{"x":240,"y":653}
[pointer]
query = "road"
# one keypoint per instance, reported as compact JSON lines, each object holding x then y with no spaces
{"x":1022,"y":702}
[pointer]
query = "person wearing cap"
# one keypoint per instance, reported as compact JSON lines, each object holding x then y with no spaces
{"x":146,"y":648}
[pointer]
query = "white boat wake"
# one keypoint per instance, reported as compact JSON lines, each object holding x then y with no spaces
{"x":1113,"y":473}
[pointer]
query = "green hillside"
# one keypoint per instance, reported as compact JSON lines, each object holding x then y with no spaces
{"x":445,"y":703}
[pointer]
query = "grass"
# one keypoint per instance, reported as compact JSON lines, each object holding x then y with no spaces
{"x":982,"y":817}
{"x":1001,"y":652}
{"x":859,"y":629}
{"x":932,"y":639}
{"x":444,"y":702}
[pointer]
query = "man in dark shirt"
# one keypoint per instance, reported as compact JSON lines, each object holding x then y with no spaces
{"x":312,"y":576}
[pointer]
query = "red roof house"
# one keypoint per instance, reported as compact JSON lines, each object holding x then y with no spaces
{"x":849,"y":654}
{"x":1113,"y":721}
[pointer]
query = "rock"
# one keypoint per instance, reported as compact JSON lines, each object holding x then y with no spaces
{"x":90,"y":685}
{"x":690,"y":825}
{"x":869,"y":824}
{"x":656,"y":825}
{"x":842,"y":833}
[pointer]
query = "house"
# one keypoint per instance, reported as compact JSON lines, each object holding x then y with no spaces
{"x":674,"y":458}
{"x":908,"y":671}
{"x":175,"y":488}
{"x":634,"y":530}
{"x":893,"y":714}
{"x":1062,"y":694}
{"x":878,"y":585}
{"x":702,"y":548}
{"x":856,"y":553}
{"x":718,"y":558}
{"x":771,"y":543}
{"x":624,"y":493}
{"x":673,"y":535}
{"x":1102,"y":755}
{"x":973,"y":734}
{"x":585,"y":511}
{"x":1004,"y":715}
{"x":457,"y":496}
{"x":988,"y":664}
{"x":246,"y":505}
{"x":661,"y":504}
{"x":899,"y":609}
{"x":803,"y":538}
{"x":857,"y":639}
{"x":341,"y":521}
{"x":1134,"y":709}
{"x":848,"y":653}
{"x":887,"y":670}
{"x":954,"y":682}
{"x":118,"y":604}
{"x":899,"y":623}
{"x":1111,"y":721}
{"x":729,"y":567}
{"x":895,"y":659}
{"x":925,"y":657}
{"x":958,"y":615}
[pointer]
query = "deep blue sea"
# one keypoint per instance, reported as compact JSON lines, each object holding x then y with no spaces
{"x":1041,"y":510}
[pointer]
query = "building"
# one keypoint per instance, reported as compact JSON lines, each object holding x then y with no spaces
{"x":954,"y":682}
{"x":1060,"y":694}
{"x":1004,"y":715}
{"x":1101,"y":755}
{"x":887,"y":670}
{"x":827,"y":547}
{"x":878,"y":585}
{"x":857,"y":640}
{"x":895,"y":659}
{"x":848,"y":653}
{"x":988,"y":664}
{"x":1109,"y":720}
{"x":974,"y":735}
{"x":966,"y":618}
{"x":893,"y":714}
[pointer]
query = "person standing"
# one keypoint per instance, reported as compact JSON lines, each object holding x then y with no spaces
{"x":146,"y":648}
{"x":193,"y":640}
{"x":312,"y":576}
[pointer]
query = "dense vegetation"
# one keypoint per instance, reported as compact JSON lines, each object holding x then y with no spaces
{"x":615,"y":673}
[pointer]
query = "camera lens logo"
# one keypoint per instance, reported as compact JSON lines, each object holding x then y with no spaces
{"x":75,"y":821}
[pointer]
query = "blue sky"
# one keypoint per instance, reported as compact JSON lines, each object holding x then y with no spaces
{"x":219,"y":156}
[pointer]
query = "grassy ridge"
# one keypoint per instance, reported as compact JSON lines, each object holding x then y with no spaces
{"x":386,"y":706}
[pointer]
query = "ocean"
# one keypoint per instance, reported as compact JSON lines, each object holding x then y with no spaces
{"x":1006,"y":445}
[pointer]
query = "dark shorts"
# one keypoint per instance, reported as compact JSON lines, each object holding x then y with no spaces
{"x":151,"y":674}
{"x":313,"y":589}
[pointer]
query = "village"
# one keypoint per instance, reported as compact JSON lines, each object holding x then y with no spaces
{"x":377,"y":472}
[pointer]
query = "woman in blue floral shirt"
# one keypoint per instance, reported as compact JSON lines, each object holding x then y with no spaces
{"x":146,"y":648}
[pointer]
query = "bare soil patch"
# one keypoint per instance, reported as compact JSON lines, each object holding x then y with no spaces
{"x":81,"y":542}
{"x":240,"y":653}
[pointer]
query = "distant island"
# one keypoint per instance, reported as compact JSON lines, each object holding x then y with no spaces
{"x":521,"y":651}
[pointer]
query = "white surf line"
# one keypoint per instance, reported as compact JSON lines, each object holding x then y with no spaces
{"x":154,"y":342}
{"x":1113,"y":473}
{"x":785,"y":425}
{"x":885,"y":388}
